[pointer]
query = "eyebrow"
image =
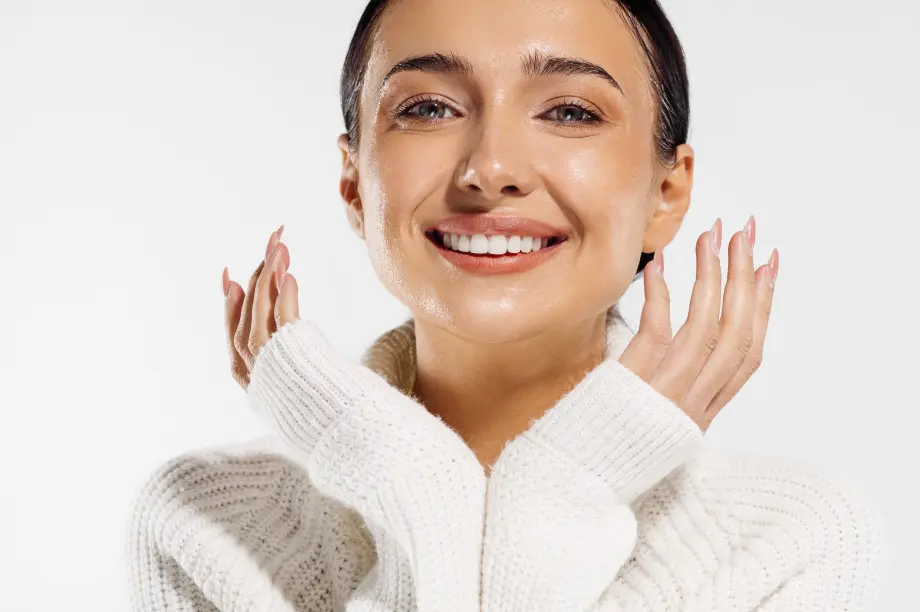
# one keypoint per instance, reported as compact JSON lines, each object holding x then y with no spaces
{"x":538,"y":64}
{"x":441,"y":63}
{"x":534,"y":65}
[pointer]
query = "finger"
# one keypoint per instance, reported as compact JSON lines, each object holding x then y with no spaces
{"x":241,"y":338}
{"x":287,"y":307}
{"x":765,"y":279}
{"x":645,"y":351}
{"x":233,"y":306}
{"x":698,"y":336}
{"x":735,"y":328}
{"x":263,"y":300}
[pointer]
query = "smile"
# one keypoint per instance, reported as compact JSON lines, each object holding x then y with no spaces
{"x":495,"y":254}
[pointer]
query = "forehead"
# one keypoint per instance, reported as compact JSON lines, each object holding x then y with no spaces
{"x":495,"y":34}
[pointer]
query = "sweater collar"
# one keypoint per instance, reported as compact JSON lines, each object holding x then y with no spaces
{"x":392,"y":354}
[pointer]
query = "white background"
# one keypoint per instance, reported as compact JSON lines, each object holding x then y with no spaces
{"x":143,"y":146}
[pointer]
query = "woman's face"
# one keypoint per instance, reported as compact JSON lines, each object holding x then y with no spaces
{"x":538,"y":109}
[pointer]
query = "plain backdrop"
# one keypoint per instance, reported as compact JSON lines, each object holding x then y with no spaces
{"x":145,"y":145}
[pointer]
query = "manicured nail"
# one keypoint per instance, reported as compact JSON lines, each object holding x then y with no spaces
{"x":750,"y":234}
{"x":716,"y":236}
{"x":774,"y":267}
{"x":281,"y":281}
{"x":226,"y":282}
{"x":272,"y":244}
{"x":280,"y":231}
{"x":659,"y":262}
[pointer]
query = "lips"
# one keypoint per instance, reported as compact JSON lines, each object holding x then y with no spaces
{"x":491,"y":225}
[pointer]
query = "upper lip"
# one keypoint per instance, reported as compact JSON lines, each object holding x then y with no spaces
{"x":507,"y":225}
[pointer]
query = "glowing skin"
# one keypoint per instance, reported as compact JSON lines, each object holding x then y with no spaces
{"x":496,"y":350}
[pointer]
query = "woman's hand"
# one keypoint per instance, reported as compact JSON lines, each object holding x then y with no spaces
{"x":710,"y":358}
{"x":253,"y":316}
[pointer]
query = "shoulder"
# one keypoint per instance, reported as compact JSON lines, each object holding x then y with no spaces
{"x":232,"y":510}
{"x":239,"y":477}
{"x":228,"y":484}
{"x":783,"y":493}
{"x":780,"y":528}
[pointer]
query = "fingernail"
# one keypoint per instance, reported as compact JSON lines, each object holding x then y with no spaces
{"x":280,"y":231}
{"x":659,"y":262}
{"x":774,"y":267}
{"x":272,"y":243}
{"x":225,"y":281}
{"x":716,"y":236}
{"x":279,"y":277}
{"x":750,"y":234}
{"x":281,"y":281}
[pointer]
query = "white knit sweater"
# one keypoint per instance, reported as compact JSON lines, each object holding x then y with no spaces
{"x":360,"y":499}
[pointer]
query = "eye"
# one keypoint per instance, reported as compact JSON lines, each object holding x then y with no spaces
{"x":572,"y":112}
{"x":428,"y":109}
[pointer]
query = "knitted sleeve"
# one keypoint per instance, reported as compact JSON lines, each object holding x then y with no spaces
{"x":558,"y":520}
{"x":227,"y":530}
{"x":803,"y":541}
{"x":364,"y":443}
{"x":562,"y":531}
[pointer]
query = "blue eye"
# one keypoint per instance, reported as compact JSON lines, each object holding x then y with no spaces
{"x":572,"y":113}
{"x":427,"y":110}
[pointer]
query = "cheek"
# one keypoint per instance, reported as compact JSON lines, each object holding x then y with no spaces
{"x":401,"y":174}
{"x":606,"y":186}
{"x":404,"y":173}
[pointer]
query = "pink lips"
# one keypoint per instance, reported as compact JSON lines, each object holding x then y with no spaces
{"x":492,"y":225}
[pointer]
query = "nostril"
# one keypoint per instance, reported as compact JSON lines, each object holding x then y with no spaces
{"x":510,"y":189}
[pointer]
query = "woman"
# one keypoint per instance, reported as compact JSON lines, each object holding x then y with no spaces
{"x":513,"y":446}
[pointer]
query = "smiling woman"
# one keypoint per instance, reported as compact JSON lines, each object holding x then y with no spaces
{"x":514,"y":445}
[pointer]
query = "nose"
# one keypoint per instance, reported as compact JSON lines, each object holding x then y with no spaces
{"x":498,"y":163}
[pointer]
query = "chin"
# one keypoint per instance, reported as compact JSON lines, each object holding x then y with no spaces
{"x":491,"y":319}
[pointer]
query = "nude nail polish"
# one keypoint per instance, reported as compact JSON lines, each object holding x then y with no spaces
{"x":774,"y":267}
{"x":716,"y":237}
{"x":750,"y":234}
{"x":272,"y":245}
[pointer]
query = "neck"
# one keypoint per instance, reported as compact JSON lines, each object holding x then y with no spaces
{"x":490,"y":393}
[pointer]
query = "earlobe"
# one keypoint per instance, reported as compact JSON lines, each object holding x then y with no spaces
{"x":356,"y":217}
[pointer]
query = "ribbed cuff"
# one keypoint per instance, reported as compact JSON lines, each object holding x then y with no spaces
{"x":306,"y":390}
{"x":302,"y":385}
{"x":296,"y":383}
{"x":618,"y":427}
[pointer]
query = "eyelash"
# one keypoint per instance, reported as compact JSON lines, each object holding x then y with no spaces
{"x":592,"y":116}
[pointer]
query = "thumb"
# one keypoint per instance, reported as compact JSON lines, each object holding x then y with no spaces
{"x":287,"y":307}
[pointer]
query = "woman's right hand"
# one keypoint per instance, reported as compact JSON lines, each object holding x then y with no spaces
{"x":710,"y":358}
{"x":252,"y":316}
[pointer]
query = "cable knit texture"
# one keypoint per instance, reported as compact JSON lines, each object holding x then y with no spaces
{"x":359,"y":499}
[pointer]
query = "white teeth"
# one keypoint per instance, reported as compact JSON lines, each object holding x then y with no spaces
{"x":480,"y":244}
{"x":498,"y":245}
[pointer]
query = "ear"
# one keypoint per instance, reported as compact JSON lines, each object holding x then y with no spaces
{"x":673,"y":201}
{"x":348,"y":187}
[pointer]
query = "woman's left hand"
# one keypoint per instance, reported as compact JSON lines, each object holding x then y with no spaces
{"x":251,"y":317}
{"x":721,"y":344}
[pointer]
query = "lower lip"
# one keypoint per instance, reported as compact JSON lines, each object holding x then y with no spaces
{"x":497,"y":264}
